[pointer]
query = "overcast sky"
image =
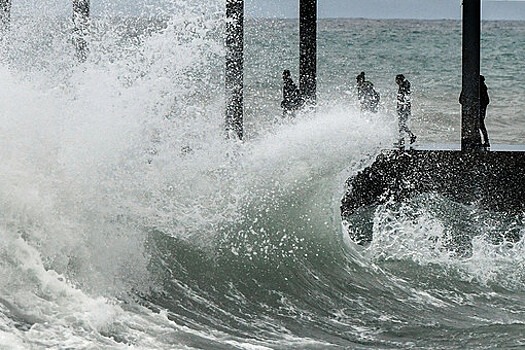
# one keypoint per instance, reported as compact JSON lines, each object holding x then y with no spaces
{"x":424,"y":9}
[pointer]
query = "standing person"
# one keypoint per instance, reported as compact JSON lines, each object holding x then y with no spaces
{"x":404,"y":109}
{"x":367,"y":95}
{"x":292,"y":99}
{"x":483,"y":103}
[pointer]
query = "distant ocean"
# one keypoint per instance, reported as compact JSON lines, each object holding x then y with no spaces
{"x":127,"y":221}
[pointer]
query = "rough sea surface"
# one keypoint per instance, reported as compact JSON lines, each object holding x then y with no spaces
{"x":128,"y":221}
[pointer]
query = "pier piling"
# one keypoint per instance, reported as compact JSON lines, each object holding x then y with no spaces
{"x":470,"y":106}
{"x":80,"y":22}
{"x":308,"y":49}
{"x":5,"y":15}
{"x":234,"y":68}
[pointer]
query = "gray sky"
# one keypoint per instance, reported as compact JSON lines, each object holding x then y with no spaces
{"x":424,"y":9}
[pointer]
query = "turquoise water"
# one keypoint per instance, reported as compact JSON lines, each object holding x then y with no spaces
{"x":128,"y":221}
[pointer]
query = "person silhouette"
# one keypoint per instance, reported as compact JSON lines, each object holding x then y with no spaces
{"x":292,"y":99}
{"x":404,"y":110}
{"x":484,"y":101}
{"x":368,"y":97}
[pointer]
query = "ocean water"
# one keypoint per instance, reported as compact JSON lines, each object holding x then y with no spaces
{"x":127,"y":221}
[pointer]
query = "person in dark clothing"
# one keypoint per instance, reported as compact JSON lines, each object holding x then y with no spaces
{"x":404,"y":109}
{"x":292,"y":99}
{"x":483,"y":103}
{"x":367,"y":95}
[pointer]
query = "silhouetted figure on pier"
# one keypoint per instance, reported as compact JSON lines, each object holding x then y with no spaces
{"x":367,"y":95}
{"x":404,"y":110}
{"x":292,"y":99}
{"x":483,"y":103}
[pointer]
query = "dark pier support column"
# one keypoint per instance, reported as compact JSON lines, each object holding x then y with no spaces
{"x":234,"y":68}
{"x":81,"y":23}
{"x":470,"y":103}
{"x":5,"y":19}
{"x":308,"y":49}
{"x":5,"y":14}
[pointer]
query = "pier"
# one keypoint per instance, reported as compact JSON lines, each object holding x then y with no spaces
{"x":235,"y":61}
{"x":467,"y":172}
{"x":489,"y":178}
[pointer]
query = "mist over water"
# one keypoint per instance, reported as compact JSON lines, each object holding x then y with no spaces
{"x":128,"y":220}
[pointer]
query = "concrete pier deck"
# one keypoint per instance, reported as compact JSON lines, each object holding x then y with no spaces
{"x":457,"y":147}
{"x":493,"y":179}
